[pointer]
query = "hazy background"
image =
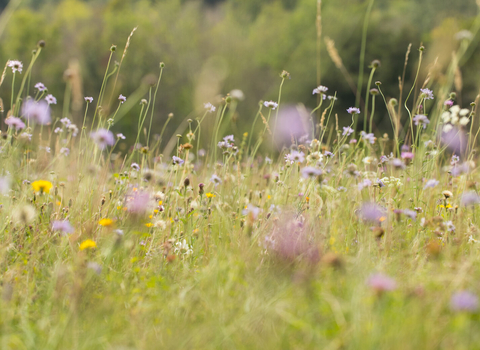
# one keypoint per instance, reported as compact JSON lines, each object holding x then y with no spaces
{"x":211,"y":47}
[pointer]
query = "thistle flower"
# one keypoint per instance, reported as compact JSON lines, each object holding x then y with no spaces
{"x":63,"y":226}
{"x":103,"y":138}
{"x":51,"y":99}
{"x":38,"y":112}
{"x":381,"y":283}
{"x":17,"y":123}
{"x":122,"y":98}
{"x":464,"y":301}
{"x":209,"y":107}
{"x":353,"y":110}
{"x":16,"y":66}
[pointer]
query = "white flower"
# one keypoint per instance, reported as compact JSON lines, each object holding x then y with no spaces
{"x":183,"y":247}
{"x":209,"y":107}
{"x":463,"y":112}
{"x":122,"y":98}
{"x":464,"y":121}
{"x":15,"y":65}
{"x":270,"y":104}
{"x":447,"y":127}
{"x":446,"y":117}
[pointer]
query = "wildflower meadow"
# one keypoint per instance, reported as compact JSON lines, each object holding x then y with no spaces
{"x":309,"y":227}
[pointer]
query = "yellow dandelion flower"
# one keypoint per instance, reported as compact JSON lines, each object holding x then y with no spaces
{"x":106,"y":222}
{"x":42,"y":186}
{"x":210,"y":195}
{"x":87,"y":244}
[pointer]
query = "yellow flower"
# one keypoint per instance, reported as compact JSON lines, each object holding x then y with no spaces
{"x":149,"y":224}
{"x":88,"y":244}
{"x":42,"y":186}
{"x":210,"y":195}
{"x":106,"y":222}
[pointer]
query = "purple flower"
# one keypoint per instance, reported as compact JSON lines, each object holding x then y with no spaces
{"x":455,"y":139}
{"x":469,"y":199}
{"x":295,"y":157}
{"x":103,"y":138}
{"x":51,"y":99}
{"x":460,"y":169}
{"x":347,"y":131}
{"x":407,"y":155}
{"x":16,"y":66}
{"x":62,"y":226}
{"x":122,"y":98}
{"x":410,"y":213}
{"x":353,"y":110}
{"x":228,"y":138}
{"x":252,"y":211}
{"x":215,"y":179}
{"x":177,"y":160}
{"x":209,"y":107}
{"x":320,"y":90}
{"x":427,"y":94}
{"x":431,"y":184}
{"x":38,"y":112}
{"x":270,"y":104}
{"x":421,"y":119}
{"x":89,"y":99}
{"x":311,"y":172}
{"x":364,"y":183}
{"x":17,"y":123}
{"x":135,"y":166}
{"x":448,"y":103}
{"x":293,"y":123}
{"x":381,"y":283}
{"x":371,"y":212}
{"x":464,"y":301}
{"x":397,"y":163}
{"x":64,"y":151}
{"x":40,"y":87}
{"x":368,"y":137}
{"x":138,"y":202}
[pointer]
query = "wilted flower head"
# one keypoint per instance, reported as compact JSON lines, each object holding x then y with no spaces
{"x":103,"y":138}
{"x":353,"y":110}
{"x":63,"y":226}
{"x":381,"y":283}
{"x":38,"y":112}
{"x":464,"y":301}
{"x":371,"y":212}
{"x":15,"y":122}
{"x":16,"y":66}
{"x":469,"y":199}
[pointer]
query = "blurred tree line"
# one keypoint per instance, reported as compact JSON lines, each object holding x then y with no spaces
{"x":210,"y":47}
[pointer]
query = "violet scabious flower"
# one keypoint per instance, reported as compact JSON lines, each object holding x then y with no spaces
{"x":16,"y":66}
{"x":270,"y":104}
{"x":15,"y":122}
{"x":353,"y":110}
{"x":458,"y":170}
{"x":138,"y":202}
{"x":464,"y":301}
{"x":295,"y":157}
{"x":347,"y":131}
{"x":58,"y":130}
{"x":421,"y":119}
{"x":455,"y":159}
{"x":38,"y":112}
{"x":121,"y":136}
{"x":320,"y":90}
{"x":51,"y":100}
{"x":215,"y":179}
{"x":397,"y":163}
{"x":311,"y":172}
{"x":65,"y":121}
{"x":469,"y":199}
{"x":209,"y":107}
{"x":431,"y":184}
{"x":64,"y":151}
{"x":368,"y":137}
{"x":40,"y":87}
{"x":455,"y":139}
{"x":177,"y":160}
{"x":371,"y":212}
{"x":328,"y":154}
{"x":103,"y":138}
{"x":381,"y":283}
{"x":251,"y":211}
{"x":427,"y":94}
{"x":63,"y":226}
{"x":379,"y":183}
{"x":410,"y":213}
{"x":135,"y":166}
{"x":88,"y":99}
{"x":229,"y":138}
{"x":292,"y":124}
{"x":122,"y":98}
{"x":364,"y":183}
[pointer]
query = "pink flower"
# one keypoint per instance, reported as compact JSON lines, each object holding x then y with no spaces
{"x":381,"y":283}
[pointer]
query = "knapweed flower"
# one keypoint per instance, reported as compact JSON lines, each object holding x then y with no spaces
{"x":371,"y":212}
{"x":431,"y":184}
{"x":51,"y":100}
{"x":122,"y":98}
{"x":353,"y":110}
{"x":270,"y":104}
{"x":42,"y":186}
{"x":40,"y":87}
{"x":15,"y":122}
{"x":427,"y":94}
{"x":106,"y":222}
{"x":209,"y":107}
{"x":464,"y":301}
{"x":320,"y":90}
{"x":16,"y":66}
{"x":469,"y":199}
{"x":177,"y":160}
{"x":347,"y":131}
{"x":311,"y":172}
{"x":421,"y":119}
{"x":38,"y":112}
{"x":381,"y":283}
{"x":88,"y":244}
{"x":103,"y":138}
{"x":88,"y":99}
{"x":63,"y":226}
